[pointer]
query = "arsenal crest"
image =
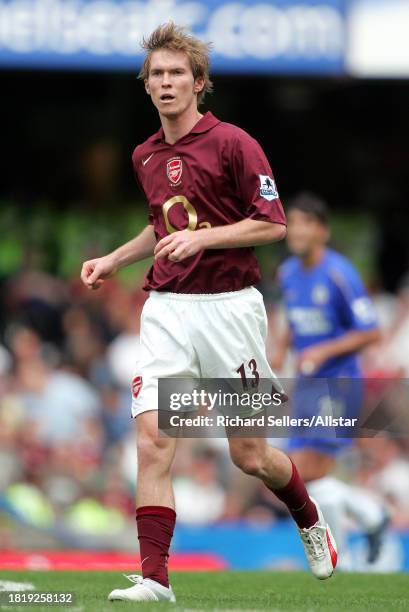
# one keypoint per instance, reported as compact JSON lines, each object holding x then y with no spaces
{"x":174,"y":170}
{"x":136,"y":386}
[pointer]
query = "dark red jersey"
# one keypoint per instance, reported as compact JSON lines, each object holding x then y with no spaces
{"x":215,"y":175}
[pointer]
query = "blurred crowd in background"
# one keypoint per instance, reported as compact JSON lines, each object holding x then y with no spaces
{"x":67,"y":355}
{"x":67,"y":439}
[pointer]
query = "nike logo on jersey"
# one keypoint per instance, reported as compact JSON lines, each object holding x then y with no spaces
{"x":145,"y":161}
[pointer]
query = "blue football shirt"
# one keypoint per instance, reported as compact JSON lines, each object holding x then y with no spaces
{"x":325,"y":302}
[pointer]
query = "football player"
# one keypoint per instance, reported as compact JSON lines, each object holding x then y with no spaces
{"x":330,"y":320}
{"x":212,"y":198}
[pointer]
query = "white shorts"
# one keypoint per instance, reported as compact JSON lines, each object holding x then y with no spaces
{"x":199,"y":336}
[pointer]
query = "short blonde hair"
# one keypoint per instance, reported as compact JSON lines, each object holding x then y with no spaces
{"x":175,"y":38}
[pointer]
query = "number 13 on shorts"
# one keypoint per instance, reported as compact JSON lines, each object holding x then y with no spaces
{"x":254,"y":378}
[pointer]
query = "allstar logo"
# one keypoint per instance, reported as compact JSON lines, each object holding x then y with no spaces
{"x":174,"y":169}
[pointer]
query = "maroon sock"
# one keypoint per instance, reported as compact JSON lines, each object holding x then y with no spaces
{"x":155,"y":531}
{"x":295,"y":496}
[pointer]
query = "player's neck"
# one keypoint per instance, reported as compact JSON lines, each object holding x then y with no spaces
{"x":313,"y":258}
{"x":175,"y":128}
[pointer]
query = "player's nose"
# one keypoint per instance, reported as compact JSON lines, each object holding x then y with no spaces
{"x":166,"y":82}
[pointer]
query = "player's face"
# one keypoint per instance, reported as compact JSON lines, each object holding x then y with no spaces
{"x":171,"y":84}
{"x":304,"y":233}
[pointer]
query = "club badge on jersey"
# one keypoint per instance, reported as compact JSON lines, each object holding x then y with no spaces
{"x":174,"y":169}
{"x":268,"y":189}
{"x":136,"y":386}
{"x":320,"y":295}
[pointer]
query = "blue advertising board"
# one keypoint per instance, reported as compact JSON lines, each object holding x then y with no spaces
{"x":259,"y":36}
{"x":260,"y":547}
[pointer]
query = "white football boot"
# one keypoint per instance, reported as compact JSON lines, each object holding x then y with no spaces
{"x":320,"y":547}
{"x":144,"y":589}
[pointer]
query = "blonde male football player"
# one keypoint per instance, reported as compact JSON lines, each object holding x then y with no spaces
{"x":212,"y":198}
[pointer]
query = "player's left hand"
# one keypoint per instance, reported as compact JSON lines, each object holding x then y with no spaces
{"x":311,"y":359}
{"x":180,"y":245}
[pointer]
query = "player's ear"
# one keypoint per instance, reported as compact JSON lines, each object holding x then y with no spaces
{"x":148,"y":91}
{"x":199,"y":85}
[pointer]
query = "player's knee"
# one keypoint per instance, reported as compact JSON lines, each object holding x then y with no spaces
{"x":153,"y":452}
{"x":247,"y":459}
{"x":250,"y":465}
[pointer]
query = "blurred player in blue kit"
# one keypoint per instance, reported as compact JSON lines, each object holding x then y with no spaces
{"x":330,"y":320}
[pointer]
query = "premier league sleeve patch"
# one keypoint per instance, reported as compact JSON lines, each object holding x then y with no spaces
{"x":268,"y":189}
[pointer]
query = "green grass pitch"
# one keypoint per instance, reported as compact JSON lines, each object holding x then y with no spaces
{"x":229,"y":591}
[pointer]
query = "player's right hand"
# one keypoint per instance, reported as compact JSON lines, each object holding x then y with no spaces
{"x":95,"y":271}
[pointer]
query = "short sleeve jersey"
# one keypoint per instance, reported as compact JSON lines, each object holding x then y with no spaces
{"x":324,"y":302}
{"x":215,"y":175}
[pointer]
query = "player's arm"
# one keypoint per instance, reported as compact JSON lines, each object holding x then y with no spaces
{"x":246,"y":233}
{"x":95,"y":271}
{"x":350,"y":342}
